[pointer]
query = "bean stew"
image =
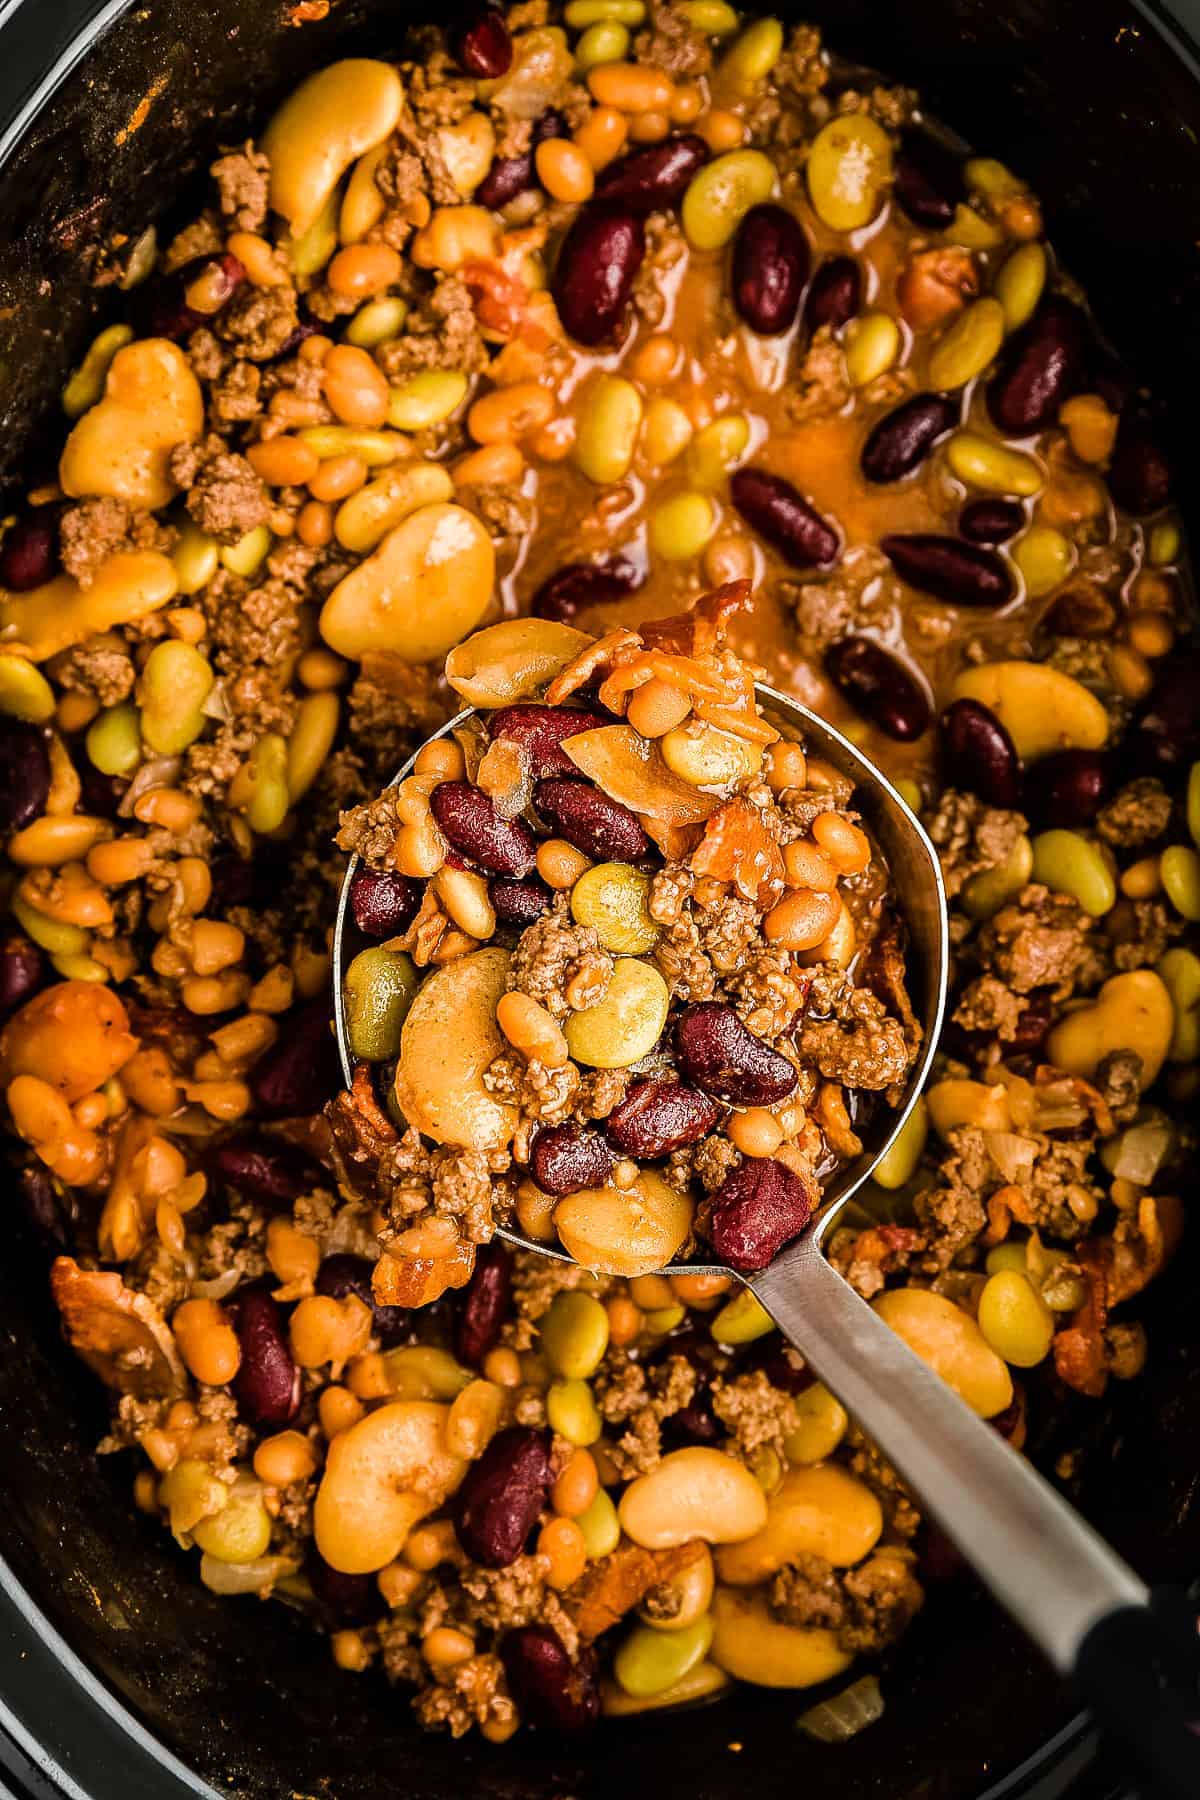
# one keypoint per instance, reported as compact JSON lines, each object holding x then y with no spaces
{"x":509,"y":369}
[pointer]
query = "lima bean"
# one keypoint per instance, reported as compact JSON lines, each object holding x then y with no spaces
{"x":379,"y":987}
{"x":1071,"y":864}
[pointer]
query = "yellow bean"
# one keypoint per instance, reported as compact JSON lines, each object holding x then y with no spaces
{"x":376,"y":448}
{"x":716,"y":449}
{"x":605,"y":42}
{"x":24,"y":691}
{"x":609,"y":420}
{"x":752,"y":56}
{"x":849,"y":166}
{"x":1179,"y":971}
{"x":1015,"y":1319}
{"x":648,"y":1662}
{"x":574,"y":1335}
{"x":581,"y":13}
{"x":899,"y":1161}
{"x":1164,"y":544}
{"x":195,"y":556}
{"x":1180,"y":870}
{"x":627,"y":1023}
{"x":968,"y":345}
{"x":822,"y":1423}
{"x":260,"y":790}
{"x":1019,"y":284}
{"x":742,"y":1319}
{"x":1044,"y":557}
{"x":720,"y":196}
{"x":247,"y":556}
{"x":667,"y":431}
{"x":511,"y":661}
{"x":613,"y":898}
{"x":378,"y":322}
{"x":872,"y":346}
{"x":175,"y":684}
{"x":311,"y":741}
{"x":715,"y":18}
{"x":983,"y":463}
{"x":681,"y":526}
{"x":571,"y":1411}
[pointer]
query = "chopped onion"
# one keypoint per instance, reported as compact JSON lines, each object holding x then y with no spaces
{"x":1012,"y":1154}
{"x":159,"y":772}
{"x":1141,"y":1152}
{"x":245,"y":1578}
{"x":836,"y":1721}
{"x":217,"y":1288}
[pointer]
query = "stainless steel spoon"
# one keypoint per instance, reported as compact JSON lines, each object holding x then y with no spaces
{"x":1081,"y":1604}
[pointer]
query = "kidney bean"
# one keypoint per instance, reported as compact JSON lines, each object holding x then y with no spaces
{"x":779,"y":1363}
{"x":540,"y":730}
{"x":24,"y":774}
{"x":267,"y":1384}
{"x":565,"y":594}
{"x":770,"y":266}
{"x":344,"y":1599}
{"x":725,"y":1058}
{"x":518,"y":902}
{"x":22,"y":971}
{"x":596,"y":266}
{"x":659,"y":1116}
{"x":879,"y":686}
{"x":502,"y":1494}
{"x":101,"y":795}
{"x":653,"y":178}
{"x":513,"y":175}
{"x":1139,"y":475}
{"x":467,"y":817}
{"x":756,"y":1210}
{"x":1167,"y":724}
{"x":903,"y":438}
{"x":550,"y":1690}
{"x":1040,"y":367}
{"x":990,"y":521}
{"x":266,"y":1168}
{"x":602,"y":828}
{"x":482,"y":46}
{"x":565,"y":1158}
{"x":1070,"y":787}
{"x":300,"y":1071}
{"x":834,"y":294}
{"x":960,"y":574}
{"x":484,"y":1304}
{"x":780,"y":514}
{"x":53,"y":1211}
{"x":979,"y":755}
{"x":29,"y":551}
{"x":343,"y":1274}
{"x":929,"y":180}
{"x":692,"y":1424}
{"x":1032,"y":1024}
{"x":382,"y":902}
{"x":165,"y":312}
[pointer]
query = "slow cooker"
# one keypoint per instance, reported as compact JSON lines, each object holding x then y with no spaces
{"x":119,"y":1674}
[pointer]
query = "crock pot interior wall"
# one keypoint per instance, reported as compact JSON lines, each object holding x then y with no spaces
{"x":1085,"y":100}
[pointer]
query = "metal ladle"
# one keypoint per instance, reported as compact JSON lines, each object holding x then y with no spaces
{"x":1133,"y":1654}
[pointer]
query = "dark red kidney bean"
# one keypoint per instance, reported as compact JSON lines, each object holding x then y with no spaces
{"x":24,"y":774}
{"x":101,"y":795}
{"x":960,"y":574}
{"x":550,"y":1690}
{"x":1139,"y":475}
{"x":594,"y":275}
{"x":22,"y":970}
{"x":343,"y":1274}
{"x":518,"y":902}
{"x":1069,"y":788}
{"x":482,"y":46}
{"x":1167,"y":724}
{"x":780,"y":514}
{"x":903,"y":438}
{"x":655,"y":177}
{"x":570,"y":589}
{"x":780,"y":1364}
{"x":758,"y":1209}
{"x":484,"y":1304}
{"x":879,"y":686}
{"x":1041,"y":366}
{"x":52,"y":1210}
{"x":502,"y":1494}
{"x":266,"y":1168}
{"x":990,"y":521}
{"x":300,"y":1071}
{"x":692,"y":1424}
{"x":834,"y":294}
{"x":929,"y":180}
{"x":540,"y":730}
{"x":467,"y":817}
{"x":724,"y":1057}
{"x":383,"y":903}
{"x":29,"y":551}
{"x":1032,"y":1024}
{"x":770,"y":266}
{"x":602,"y":828}
{"x":165,"y":311}
{"x":513,"y":175}
{"x":659,"y":1116}
{"x":979,"y":755}
{"x":565,"y":1158}
{"x":344,"y":1599}
{"x":267,"y":1384}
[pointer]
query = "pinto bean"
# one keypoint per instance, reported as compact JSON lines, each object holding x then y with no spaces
{"x":602,"y":828}
{"x":780,"y":514}
{"x":566,"y":1158}
{"x":979,"y":755}
{"x":658,"y":1116}
{"x":539,"y":732}
{"x":468,"y":818}
{"x":655,"y":177}
{"x":834,"y":294}
{"x":903,"y":438}
{"x":878,"y":685}
{"x":502,"y":1494}
{"x":722,"y":1056}
{"x":960,"y":574}
{"x":484,"y":1304}
{"x":594,"y":275}
{"x":1041,"y":366}
{"x":770,"y":267}
{"x":267,"y":1384}
{"x":756,"y":1210}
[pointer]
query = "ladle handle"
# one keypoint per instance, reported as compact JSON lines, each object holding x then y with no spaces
{"x":1077,"y":1600}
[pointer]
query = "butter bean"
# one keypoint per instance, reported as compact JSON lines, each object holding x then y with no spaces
{"x":24,"y":691}
{"x":334,"y":117}
{"x":625,"y":1232}
{"x":122,"y":446}
{"x":450,"y":1038}
{"x":365,"y":519}
{"x":1044,"y":557}
{"x":984,"y":463}
{"x":425,"y":587}
{"x":512,"y":660}
{"x":610,"y":418}
{"x":1179,"y":971}
{"x":382,"y":1476}
{"x":626,"y":1024}
{"x":1041,"y":708}
{"x":967,"y":346}
{"x":823,"y":1423}
{"x":648,"y":1661}
{"x":984,"y":894}
{"x":946,"y":1338}
{"x":1069,"y":863}
{"x":1015,"y":1320}
{"x":693,"y":1493}
{"x":872,"y":344}
{"x":720,"y":196}
{"x":751,"y":1644}
{"x":1132,"y":1011}
{"x":613,"y":898}
{"x":818,"y":1511}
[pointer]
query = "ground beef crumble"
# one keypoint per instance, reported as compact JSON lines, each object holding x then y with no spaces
{"x":970,"y":837}
{"x":560,"y":964}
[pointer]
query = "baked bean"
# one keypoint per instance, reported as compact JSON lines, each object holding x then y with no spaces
{"x":207,"y":1341}
{"x":355,"y":387}
{"x":511,"y":413}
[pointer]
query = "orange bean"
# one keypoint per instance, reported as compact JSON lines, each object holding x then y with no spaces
{"x":503,"y":1366}
{"x":495,"y":465}
{"x":338,"y":477}
{"x":755,"y":1132}
{"x":443,"y":758}
{"x":560,"y":864}
{"x":656,"y":708}
{"x":657,"y":360}
{"x":259,"y":259}
{"x":806,"y":866}
{"x":687,"y":103}
{"x":801,"y":919}
{"x":848,"y":848}
{"x":207,"y":1341}
{"x":602,"y":135}
{"x":314,"y":525}
{"x":624,"y":1320}
{"x":631,"y":87}
{"x":787,"y":767}
{"x":563,"y":1543}
{"x":649,"y":127}
{"x":576,"y":1486}
{"x":1151,"y":634}
{"x":364,"y":269}
{"x":285,"y":1458}
{"x":510,"y":413}
{"x":283,"y":461}
{"x":355,"y":386}
{"x":564,"y":171}
{"x":722,"y":131}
